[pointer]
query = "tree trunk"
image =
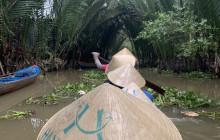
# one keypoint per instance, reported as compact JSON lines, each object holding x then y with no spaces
{"x":2,"y":68}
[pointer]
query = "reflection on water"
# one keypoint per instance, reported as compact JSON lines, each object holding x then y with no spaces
{"x":200,"y":128}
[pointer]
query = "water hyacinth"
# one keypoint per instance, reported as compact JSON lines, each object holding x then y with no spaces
{"x":61,"y":92}
{"x":94,"y":75}
{"x":12,"y":114}
{"x":183,"y":99}
{"x":45,"y":100}
{"x":213,"y":115}
{"x":69,"y":89}
{"x":198,"y":74}
{"x":73,"y":89}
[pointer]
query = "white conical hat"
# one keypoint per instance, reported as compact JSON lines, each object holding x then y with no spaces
{"x":119,"y":59}
{"x":108,"y":113}
{"x":125,"y":51}
{"x":134,"y":90}
{"x":125,"y":75}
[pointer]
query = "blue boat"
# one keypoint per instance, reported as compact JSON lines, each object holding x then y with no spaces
{"x":13,"y":81}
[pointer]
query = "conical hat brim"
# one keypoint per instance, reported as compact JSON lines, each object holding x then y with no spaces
{"x":108,"y":112}
{"x":134,"y":90}
{"x":118,"y":61}
{"x":125,"y":75}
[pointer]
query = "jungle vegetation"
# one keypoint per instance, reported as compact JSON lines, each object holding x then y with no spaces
{"x":179,"y":35}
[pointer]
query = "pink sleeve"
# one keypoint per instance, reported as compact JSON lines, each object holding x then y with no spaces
{"x":104,"y":67}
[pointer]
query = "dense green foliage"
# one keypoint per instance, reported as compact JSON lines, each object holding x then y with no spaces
{"x":181,"y":33}
{"x":64,"y":28}
{"x":181,"y":39}
{"x":178,"y":36}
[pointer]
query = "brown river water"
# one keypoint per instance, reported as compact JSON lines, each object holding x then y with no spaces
{"x":200,"y":128}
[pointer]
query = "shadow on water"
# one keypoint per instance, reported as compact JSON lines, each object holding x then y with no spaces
{"x":201,"y":128}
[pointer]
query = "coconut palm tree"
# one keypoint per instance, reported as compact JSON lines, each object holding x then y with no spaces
{"x":17,"y":17}
{"x":74,"y":28}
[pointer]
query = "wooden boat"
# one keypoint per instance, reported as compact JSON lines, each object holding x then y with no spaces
{"x":18,"y":79}
{"x":85,"y":65}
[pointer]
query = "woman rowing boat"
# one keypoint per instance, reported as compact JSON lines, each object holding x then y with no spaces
{"x":97,"y":61}
{"x":126,"y":74}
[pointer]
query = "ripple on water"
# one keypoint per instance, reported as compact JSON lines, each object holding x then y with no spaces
{"x":186,"y":119}
{"x":35,"y":122}
{"x":218,"y":136}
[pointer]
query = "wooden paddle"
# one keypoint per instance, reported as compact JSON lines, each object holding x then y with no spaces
{"x":106,"y":61}
{"x":154,"y":87}
{"x":13,"y":75}
{"x":6,"y":75}
{"x":148,"y":83}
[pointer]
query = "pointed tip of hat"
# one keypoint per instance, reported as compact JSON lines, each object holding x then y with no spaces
{"x":121,"y":58}
{"x":118,"y":61}
{"x":125,"y":51}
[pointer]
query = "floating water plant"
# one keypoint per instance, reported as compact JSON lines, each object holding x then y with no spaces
{"x":33,"y":100}
{"x":12,"y":114}
{"x":212,"y":115}
{"x":61,"y":92}
{"x":94,"y":75}
{"x":183,"y":99}
{"x":46,"y":99}
{"x":73,"y":89}
{"x":198,"y":74}
{"x":167,"y":71}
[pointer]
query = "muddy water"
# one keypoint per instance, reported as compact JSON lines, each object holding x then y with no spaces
{"x":210,"y":87}
{"x":201,"y":128}
{"x":29,"y":128}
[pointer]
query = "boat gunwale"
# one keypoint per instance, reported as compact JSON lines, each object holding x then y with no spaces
{"x":22,"y":77}
{"x":10,"y":86}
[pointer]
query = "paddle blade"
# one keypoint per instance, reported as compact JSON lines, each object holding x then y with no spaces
{"x":155,"y":87}
{"x":104,"y":60}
